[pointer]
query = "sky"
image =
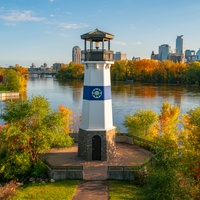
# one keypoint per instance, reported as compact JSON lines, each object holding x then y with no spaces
{"x":45,"y":31}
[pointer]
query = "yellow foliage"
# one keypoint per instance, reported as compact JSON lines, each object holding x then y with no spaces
{"x":66,"y":112}
{"x":169,"y":118}
{"x":23,"y":84}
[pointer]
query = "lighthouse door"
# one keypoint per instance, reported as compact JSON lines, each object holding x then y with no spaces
{"x":96,"y":148}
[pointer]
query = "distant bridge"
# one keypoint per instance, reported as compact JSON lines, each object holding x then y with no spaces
{"x":42,"y":73}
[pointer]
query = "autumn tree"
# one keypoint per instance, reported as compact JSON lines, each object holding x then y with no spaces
{"x":21,"y":70}
{"x":32,"y":127}
{"x":78,"y":71}
{"x":119,"y":70}
{"x":190,"y":149}
{"x":1,"y":74}
{"x":142,"y":124}
{"x":168,"y":124}
{"x":165,"y":180}
{"x":61,"y":74}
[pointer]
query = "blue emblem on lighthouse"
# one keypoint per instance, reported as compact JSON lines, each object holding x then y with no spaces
{"x":97,"y":93}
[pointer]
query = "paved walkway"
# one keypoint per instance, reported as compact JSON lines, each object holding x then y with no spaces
{"x":126,"y":155}
{"x":94,"y":186}
{"x":91,"y":190}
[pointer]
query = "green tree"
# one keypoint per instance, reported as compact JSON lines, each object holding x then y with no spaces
{"x":119,"y":71}
{"x":11,"y":80}
{"x":190,"y":149}
{"x":142,"y":124}
{"x":193,"y":73}
{"x":165,"y":180}
{"x":61,"y":74}
{"x":70,"y":71}
{"x":32,"y":127}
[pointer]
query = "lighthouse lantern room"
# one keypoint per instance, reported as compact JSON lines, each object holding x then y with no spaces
{"x":97,"y":133}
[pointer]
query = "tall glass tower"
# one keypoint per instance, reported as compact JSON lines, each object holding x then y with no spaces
{"x":164,"y":51}
{"x":179,"y":44}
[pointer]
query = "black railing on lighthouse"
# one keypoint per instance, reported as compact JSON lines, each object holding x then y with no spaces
{"x":97,"y":55}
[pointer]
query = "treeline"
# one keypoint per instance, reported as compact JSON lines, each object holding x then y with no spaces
{"x":156,"y":71}
{"x":142,"y":70}
{"x":176,"y":170}
{"x":70,"y":71}
{"x":14,"y":79}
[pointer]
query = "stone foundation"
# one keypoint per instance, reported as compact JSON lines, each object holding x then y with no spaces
{"x":108,"y":147}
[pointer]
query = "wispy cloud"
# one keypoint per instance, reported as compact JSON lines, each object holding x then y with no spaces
{"x":135,"y":43}
{"x":18,"y":16}
{"x":52,"y":0}
{"x":68,"y":13}
{"x":10,"y":24}
{"x":72,"y":26}
{"x":119,"y":43}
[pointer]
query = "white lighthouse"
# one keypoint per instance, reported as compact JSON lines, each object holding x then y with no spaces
{"x":97,"y":133}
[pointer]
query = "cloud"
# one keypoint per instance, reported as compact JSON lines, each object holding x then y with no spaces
{"x":10,"y":24}
{"x":72,"y":26}
{"x":52,"y":0}
{"x":119,"y":43}
{"x":135,"y":43}
{"x":68,"y":13}
{"x":17,"y":16}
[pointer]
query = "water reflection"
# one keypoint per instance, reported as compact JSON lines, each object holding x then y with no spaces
{"x":126,"y":98}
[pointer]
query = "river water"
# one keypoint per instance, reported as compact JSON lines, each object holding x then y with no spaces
{"x":126,"y":98}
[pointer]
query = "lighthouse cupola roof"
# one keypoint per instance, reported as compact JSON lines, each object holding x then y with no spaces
{"x":99,"y":53}
{"x":97,"y":35}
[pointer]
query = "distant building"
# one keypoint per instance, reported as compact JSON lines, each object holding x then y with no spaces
{"x":45,"y":65}
{"x":154,"y":56}
{"x":179,"y":45}
{"x":76,"y":54}
{"x":190,"y":55}
{"x":164,"y":51}
{"x":33,"y":66}
{"x":176,"y":57}
{"x":135,"y":58}
{"x":56,"y":66}
{"x":198,"y":54}
{"x":119,"y":56}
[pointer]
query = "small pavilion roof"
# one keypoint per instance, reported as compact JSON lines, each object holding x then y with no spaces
{"x":97,"y":35}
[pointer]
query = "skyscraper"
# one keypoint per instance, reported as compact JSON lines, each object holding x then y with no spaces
{"x":119,"y":56}
{"x":76,"y":54}
{"x":190,"y":55}
{"x":179,"y":45}
{"x":198,"y":54}
{"x":164,"y":51}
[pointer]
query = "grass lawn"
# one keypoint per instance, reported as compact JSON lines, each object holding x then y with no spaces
{"x":124,"y":190}
{"x":61,"y":190}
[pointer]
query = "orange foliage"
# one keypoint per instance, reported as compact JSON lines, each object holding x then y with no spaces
{"x":21,"y":70}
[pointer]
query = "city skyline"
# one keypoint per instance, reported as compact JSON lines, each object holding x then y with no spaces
{"x":45,"y":31}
